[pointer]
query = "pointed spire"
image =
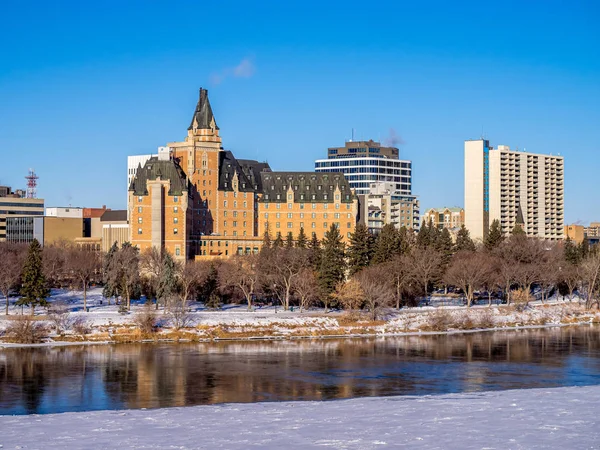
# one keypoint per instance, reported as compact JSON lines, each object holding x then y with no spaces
{"x":203,"y":116}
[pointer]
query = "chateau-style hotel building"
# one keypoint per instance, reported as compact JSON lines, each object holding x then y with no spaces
{"x":195,"y":199}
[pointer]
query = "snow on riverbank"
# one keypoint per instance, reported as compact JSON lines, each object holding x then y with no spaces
{"x":537,"y":418}
{"x":236,"y":322}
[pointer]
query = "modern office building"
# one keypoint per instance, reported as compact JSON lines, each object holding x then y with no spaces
{"x":382,"y":206}
{"x":364,"y":163}
{"x":513,"y":187}
{"x":68,"y":211}
{"x":199,"y":200}
{"x":14,"y":204}
{"x":47,"y":230}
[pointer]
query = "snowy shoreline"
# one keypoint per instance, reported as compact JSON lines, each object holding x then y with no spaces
{"x":562,"y":417}
{"x":7,"y":345}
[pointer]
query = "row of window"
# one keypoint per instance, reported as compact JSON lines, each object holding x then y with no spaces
{"x":314,"y":205}
{"x":175,"y":231}
{"x":312,"y":225}
{"x":377,"y":162}
{"x":313,"y":215}
{"x":175,"y":220}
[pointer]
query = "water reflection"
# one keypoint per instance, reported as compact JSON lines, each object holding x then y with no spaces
{"x":47,"y":380}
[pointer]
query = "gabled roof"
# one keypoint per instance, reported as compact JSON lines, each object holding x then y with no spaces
{"x":203,"y":116}
{"x":163,"y":169}
{"x":228,"y":166}
{"x":309,"y":187}
{"x":519,"y":220}
{"x":252,"y":169}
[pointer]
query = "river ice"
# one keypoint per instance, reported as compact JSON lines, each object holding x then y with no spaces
{"x":519,"y":419}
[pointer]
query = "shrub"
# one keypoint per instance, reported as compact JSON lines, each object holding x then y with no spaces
{"x":81,"y":326}
{"x":486,"y":319}
{"x":59,"y":316}
{"x":25,"y":330}
{"x":439,"y":320}
{"x":180,"y":316}
{"x":146,"y":319}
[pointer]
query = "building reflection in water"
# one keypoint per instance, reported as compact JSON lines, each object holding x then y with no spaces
{"x":44,"y":380}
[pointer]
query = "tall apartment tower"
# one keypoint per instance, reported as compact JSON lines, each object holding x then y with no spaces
{"x":514,"y":187}
{"x":367,"y":165}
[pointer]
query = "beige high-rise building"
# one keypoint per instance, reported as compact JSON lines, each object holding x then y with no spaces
{"x":514,"y":187}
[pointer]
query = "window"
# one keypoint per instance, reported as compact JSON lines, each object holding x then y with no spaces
{"x":314,"y":215}
{"x":289,"y":206}
{"x":235,"y":223}
{"x":177,"y":251}
{"x":224,"y":213}
{"x":139,"y":231}
{"x":314,"y":206}
{"x":224,"y":223}
{"x":349,"y":215}
{"x":175,"y":231}
{"x":175,"y":220}
{"x":289,"y":224}
{"x":277,"y":225}
{"x":139,"y":220}
{"x":325,"y":216}
{"x":244,"y":214}
{"x":235,"y":214}
{"x":235,"y":203}
{"x":139,"y":209}
{"x":324,"y":224}
{"x":324,"y":205}
{"x":337,"y":196}
{"x":289,"y":196}
{"x":301,"y":224}
{"x":313,"y":225}
{"x":277,"y":215}
{"x":348,"y":225}
{"x":337,"y":206}
{"x":175,"y":199}
{"x":245,"y":204}
{"x":175,"y":209}
{"x":336,"y":216}
{"x":225,"y":203}
{"x":302,"y":215}
{"x":290,"y":215}
{"x":301,"y":205}
{"x":140,"y":199}
{"x":278,"y":205}
{"x":324,"y":196}
{"x":266,"y":215}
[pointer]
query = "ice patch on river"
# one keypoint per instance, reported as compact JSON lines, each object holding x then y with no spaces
{"x":536,"y":418}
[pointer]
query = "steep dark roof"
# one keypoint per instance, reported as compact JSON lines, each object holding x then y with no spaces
{"x":228,"y":166}
{"x":166,"y":170}
{"x":519,"y":220}
{"x":252,"y":169}
{"x":119,"y":215}
{"x":203,"y":115}
{"x":309,"y":187}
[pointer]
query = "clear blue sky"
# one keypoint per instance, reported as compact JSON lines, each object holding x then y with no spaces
{"x":84,"y":84}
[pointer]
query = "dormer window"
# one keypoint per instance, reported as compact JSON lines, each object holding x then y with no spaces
{"x":278,"y":197}
{"x":296,"y":187}
{"x":319,"y":187}
{"x":324,"y":196}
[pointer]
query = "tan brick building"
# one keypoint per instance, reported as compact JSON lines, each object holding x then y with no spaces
{"x":225,"y":203}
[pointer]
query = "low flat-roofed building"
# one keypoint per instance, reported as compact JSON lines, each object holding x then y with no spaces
{"x":14,"y":204}
{"x":64,"y":211}
{"x":47,"y":230}
{"x":115,"y":228}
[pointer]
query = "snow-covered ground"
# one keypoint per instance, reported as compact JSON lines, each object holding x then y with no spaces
{"x":235,"y":321}
{"x":564,"y":418}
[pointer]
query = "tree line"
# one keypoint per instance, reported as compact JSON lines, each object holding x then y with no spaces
{"x":395,"y":268}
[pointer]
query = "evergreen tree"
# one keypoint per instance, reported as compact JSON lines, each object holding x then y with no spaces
{"x":33,"y":289}
{"x":571,"y":252}
{"x":168,"y":284}
{"x":423,"y":236}
{"x":583,"y":249}
{"x":278,"y":242}
{"x":332,"y":268}
{"x":289,"y":240}
{"x":494,"y":237}
{"x":445,"y":246}
{"x":387,"y":244}
{"x":302,"y":241}
{"x":110,"y":288}
{"x":314,"y":254}
{"x":518,"y":231}
{"x":464,"y":241}
{"x":266,"y":239}
{"x":360,"y":250}
{"x":406,"y":238}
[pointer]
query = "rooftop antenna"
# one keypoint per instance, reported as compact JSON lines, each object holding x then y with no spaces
{"x":31,"y":184}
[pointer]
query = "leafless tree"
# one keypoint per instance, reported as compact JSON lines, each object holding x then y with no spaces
{"x":180,"y":315}
{"x":427,"y":264}
{"x":468,"y":272}
{"x":377,"y":294}
{"x":401,"y":274}
{"x":283,"y":267}
{"x":241,"y":273}
{"x":54,"y":259}
{"x":11,"y":264}
{"x":589,"y":270}
{"x":493,"y":276}
{"x":145,"y":319}
{"x":306,"y":288}
{"x":151,"y":267}
{"x":549,"y":269}
{"x":59,"y":315}
{"x":569,"y":275}
{"x":26,"y":330}
{"x":192,"y":275}
{"x":83,"y":265}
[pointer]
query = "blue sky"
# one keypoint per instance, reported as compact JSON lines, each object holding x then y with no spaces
{"x":84,"y":84}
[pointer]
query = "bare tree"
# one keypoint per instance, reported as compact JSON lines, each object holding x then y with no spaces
{"x":427,"y":264}
{"x":11,"y":264}
{"x":377,"y":295}
{"x":180,"y":315}
{"x":240,"y":272}
{"x":54,"y":262}
{"x":83,"y":265}
{"x":589,"y":270}
{"x":306,"y":288}
{"x":467,"y":271}
{"x":191,"y":276}
{"x":151,"y":267}
{"x":569,"y":274}
{"x":283,"y":267}
{"x":401,"y":274}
